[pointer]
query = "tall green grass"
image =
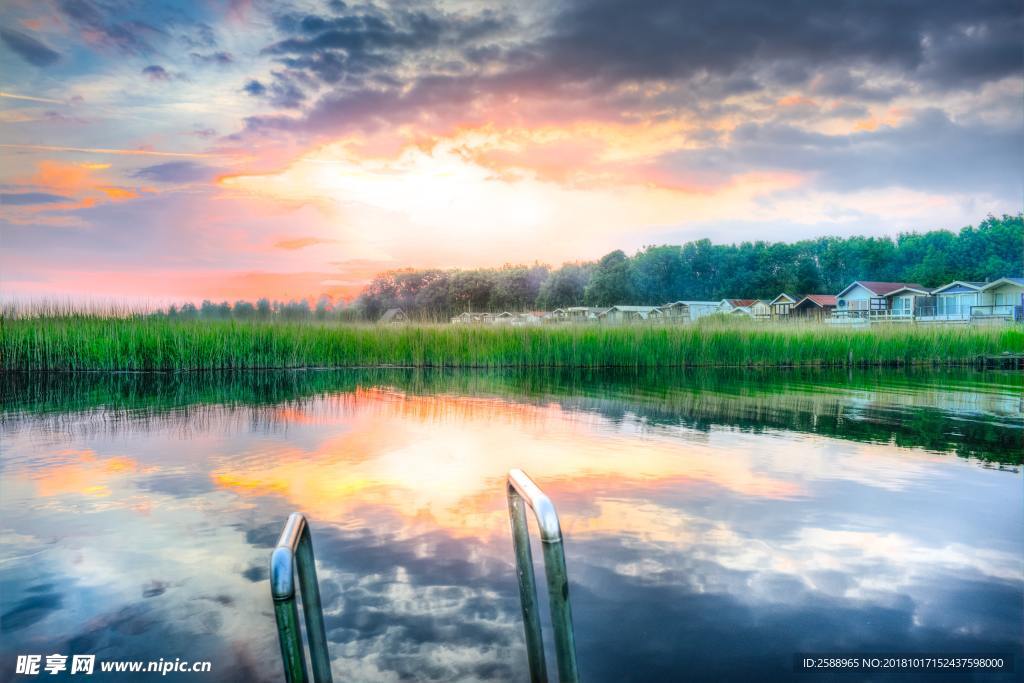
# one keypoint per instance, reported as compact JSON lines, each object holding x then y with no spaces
{"x":89,"y":342}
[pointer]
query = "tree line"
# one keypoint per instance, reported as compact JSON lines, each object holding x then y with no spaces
{"x":697,"y":270}
{"x":324,"y":309}
{"x":701,"y":270}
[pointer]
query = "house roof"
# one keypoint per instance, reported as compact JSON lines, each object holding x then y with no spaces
{"x":1005,"y":281}
{"x":736,"y":303}
{"x":391,"y":314}
{"x":820,"y":300}
{"x":643,"y":311}
{"x":884,"y":288}
{"x":692,"y":303}
{"x":976,"y":286}
{"x":634,"y":309}
{"x":909,"y":288}
{"x":780,"y":296}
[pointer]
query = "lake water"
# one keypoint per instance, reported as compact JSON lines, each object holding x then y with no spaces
{"x":715,"y":523}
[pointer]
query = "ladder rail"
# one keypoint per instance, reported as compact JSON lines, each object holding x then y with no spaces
{"x":522,"y":493}
{"x":294,"y":555}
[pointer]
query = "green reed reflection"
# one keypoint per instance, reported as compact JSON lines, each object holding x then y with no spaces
{"x":970,"y":414}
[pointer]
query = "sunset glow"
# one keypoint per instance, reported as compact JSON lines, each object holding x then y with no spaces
{"x":293,"y":150}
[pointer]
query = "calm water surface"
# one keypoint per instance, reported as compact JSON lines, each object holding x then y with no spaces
{"x":715,"y":523}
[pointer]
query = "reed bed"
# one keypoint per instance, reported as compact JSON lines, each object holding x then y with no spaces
{"x":141,"y":343}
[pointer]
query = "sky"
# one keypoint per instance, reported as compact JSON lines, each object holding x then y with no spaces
{"x":187,"y":150}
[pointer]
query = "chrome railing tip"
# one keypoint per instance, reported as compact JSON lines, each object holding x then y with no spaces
{"x":543,"y":508}
{"x":282,"y":575}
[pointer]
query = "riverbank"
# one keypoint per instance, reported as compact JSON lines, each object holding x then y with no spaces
{"x":88,"y":343}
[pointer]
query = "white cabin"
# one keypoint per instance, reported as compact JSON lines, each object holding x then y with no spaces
{"x":1002,"y":298}
{"x":952,"y":302}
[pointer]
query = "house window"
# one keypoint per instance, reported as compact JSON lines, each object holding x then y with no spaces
{"x":949,"y":305}
{"x":903,"y":306}
{"x":858,"y":304}
{"x":878,"y":304}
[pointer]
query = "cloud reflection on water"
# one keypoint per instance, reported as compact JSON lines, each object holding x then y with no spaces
{"x":713,"y":553}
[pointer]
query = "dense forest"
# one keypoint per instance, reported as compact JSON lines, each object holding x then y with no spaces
{"x":696,"y":270}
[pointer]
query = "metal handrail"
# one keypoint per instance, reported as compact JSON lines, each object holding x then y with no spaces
{"x":294,"y":551}
{"x":1001,"y":310}
{"x":523,"y":492}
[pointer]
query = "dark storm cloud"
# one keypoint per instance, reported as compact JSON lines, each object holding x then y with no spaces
{"x":105,"y":24}
{"x":30,"y":198}
{"x":405,"y":62}
{"x":614,"y":41}
{"x":28,"y":48}
{"x":976,"y":54}
{"x":371,"y":40}
{"x":438,"y":94}
{"x":928,"y":152}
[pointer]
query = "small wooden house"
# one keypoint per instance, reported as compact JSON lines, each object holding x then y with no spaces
{"x":781,"y":306}
{"x":814,"y":307}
